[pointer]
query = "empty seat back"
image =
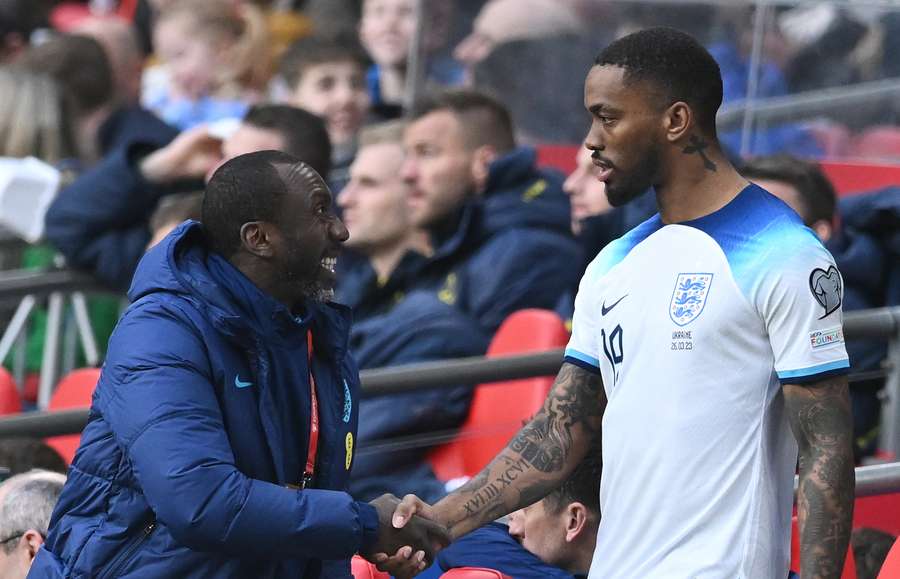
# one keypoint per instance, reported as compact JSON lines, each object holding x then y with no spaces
{"x":73,"y":391}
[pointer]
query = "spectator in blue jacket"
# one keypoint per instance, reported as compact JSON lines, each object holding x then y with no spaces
{"x":498,"y":224}
{"x":863,"y":262}
{"x":393,"y":326}
{"x":554,"y":537}
{"x":221,"y":434}
{"x":100,"y":222}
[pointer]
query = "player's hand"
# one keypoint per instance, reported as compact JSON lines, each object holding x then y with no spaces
{"x":403,"y":564}
{"x":418,"y":533}
{"x":410,"y":506}
{"x":192,"y":155}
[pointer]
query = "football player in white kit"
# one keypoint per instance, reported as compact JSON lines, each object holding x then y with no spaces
{"x":702,"y":340}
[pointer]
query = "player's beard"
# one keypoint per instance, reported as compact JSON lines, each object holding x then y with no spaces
{"x":628,"y":186}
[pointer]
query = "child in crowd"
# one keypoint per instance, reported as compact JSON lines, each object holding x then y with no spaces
{"x":215,"y":56}
{"x":386,"y":31}
{"x":327,"y":78}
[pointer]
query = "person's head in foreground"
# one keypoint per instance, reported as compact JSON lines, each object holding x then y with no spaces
{"x":26,"y":503}
{"x":271,"y":216}
{"x":561,"y":529}
{"x":802,"y":185}
{"x":450,"y":144}
{"x":653,"y":97}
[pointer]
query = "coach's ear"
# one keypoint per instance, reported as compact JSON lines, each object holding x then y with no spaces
{"x":678,"y":120}
{"x":576,"y":521}
{"x":257,"y":238}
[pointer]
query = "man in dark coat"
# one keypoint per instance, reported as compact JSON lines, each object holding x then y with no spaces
{"x":498,"y":224}
{"x":221,"y":434}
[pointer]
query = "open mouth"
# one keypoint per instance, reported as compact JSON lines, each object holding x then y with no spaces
{"x":329,"y":263}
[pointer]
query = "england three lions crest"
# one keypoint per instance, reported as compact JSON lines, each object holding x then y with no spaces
{"x":689,"y":297}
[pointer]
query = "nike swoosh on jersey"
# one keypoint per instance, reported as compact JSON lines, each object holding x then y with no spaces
{"x":239,"y":384}
{"x":605,"y":310}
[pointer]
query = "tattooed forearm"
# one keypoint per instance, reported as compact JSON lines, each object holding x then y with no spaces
{"x":538,"y":458}
{"x":821,"y":421}
{"x":699,"y":145}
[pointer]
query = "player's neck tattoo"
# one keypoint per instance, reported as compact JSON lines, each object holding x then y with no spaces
{"x":698,"y":145}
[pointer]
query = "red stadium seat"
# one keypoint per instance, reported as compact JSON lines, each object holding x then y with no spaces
{"x":10,"y":399}
{"x":849,"y":562}
{"x":474,"y":573}
{"x":73,"y":391}
{"x":878,"y":143}
{"x":880,"y":512}
{"x":499,"y":410}
{"x":850,"y":178}
{"x":890,"y":569}
{"x":362,"y":569}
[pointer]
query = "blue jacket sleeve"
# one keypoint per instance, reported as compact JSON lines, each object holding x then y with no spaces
{"x":159,"y":399}
{"x":100,"y":221}
{"x":521,"y":268}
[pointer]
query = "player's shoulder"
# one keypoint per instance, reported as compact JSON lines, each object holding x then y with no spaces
{"x":618,"y":249}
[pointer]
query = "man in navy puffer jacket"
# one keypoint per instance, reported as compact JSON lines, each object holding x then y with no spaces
{"x":201,"y":458}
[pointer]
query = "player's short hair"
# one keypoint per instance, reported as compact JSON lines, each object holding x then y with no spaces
{"x":176,"y":208}
{"x":675,"y":64}
{"x":244,"y":189}
{"x":389,"y":132}
{"x":816,"y":192}
{"x":582,"y":486}
{"x":484,"y":120}
{"x":81,"y":67}
{"x":315,"y":50}
{"x":305,"y":135}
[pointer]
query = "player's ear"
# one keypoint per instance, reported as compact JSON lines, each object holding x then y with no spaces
{"x":678,"y":120}
{"x":576,"y":520}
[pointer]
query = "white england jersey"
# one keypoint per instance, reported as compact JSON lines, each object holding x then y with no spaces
{"x":694,"y":327}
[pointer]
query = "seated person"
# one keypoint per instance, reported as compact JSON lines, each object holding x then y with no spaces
{"x":172,"y":211}
{"x":499,"y":225}
{"x":327,"y":78}
{"x":101,"y":221}
{"x":26,"y":503}
{"x":554,"y":537}
{"x":394,"y":326}
{"x":860,"y":258}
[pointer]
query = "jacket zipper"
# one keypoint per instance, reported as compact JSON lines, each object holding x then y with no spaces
{"x":125,"y":556}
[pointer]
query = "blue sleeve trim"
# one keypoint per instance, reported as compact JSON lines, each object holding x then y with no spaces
{"x":814,"y":373}
{"x":573,"y":353}
{"x":368,"y":518}
{"x":582,"y":364}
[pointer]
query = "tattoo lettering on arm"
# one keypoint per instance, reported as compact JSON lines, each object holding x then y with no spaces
{"x":537,"y":459}
{"x":699,"y":145}
{"x":821,"y":421}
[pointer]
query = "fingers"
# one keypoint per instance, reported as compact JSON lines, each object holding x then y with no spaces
{"x":409,"y":506}
{"x":403,"y":564}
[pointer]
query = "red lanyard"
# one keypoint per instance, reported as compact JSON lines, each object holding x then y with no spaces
{"x":313,"y":420}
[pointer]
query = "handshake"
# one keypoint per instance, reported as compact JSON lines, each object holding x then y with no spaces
{"x":407,"y":541}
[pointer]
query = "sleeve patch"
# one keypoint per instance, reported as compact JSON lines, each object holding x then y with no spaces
{"x":826,"y":287}
{"x":823,"y":338}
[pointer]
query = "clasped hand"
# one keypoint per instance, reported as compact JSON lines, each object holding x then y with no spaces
{"x":414,"y":542}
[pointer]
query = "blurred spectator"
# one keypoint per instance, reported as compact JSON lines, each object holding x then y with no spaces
{"x":393,"y":326}
{"x":23,"y":454}
{"x":587,"y":195}
{"x":172,"y":211}
{"x":870,"y":549}
{"x":18,"y":21}
{"x":859,"y":257}
{"x":386,"y":30}
{"x":554,"y":537}
{"x":216,"y":58}
{"x":120,"y":42}
{"x":327,"y":78}
{"x":26,"y":503}
{"x":100,"y":222}
{"x":100,"y":120}
{"x":34,"y":117}
{"x":498,"y":224}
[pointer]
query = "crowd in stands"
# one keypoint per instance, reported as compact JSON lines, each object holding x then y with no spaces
{"x":453,"y":223}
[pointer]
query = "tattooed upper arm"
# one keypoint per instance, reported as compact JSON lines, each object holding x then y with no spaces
{"x":821,"y":420}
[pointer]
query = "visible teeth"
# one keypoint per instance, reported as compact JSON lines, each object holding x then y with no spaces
{"x":329,"y":263}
